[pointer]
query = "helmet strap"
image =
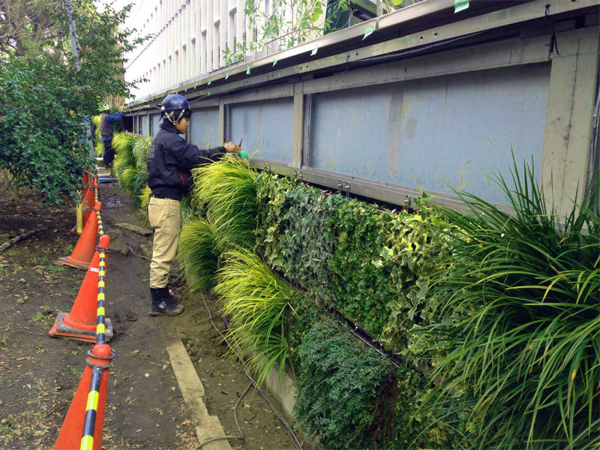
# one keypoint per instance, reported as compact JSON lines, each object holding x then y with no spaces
{"x":171,"y":114}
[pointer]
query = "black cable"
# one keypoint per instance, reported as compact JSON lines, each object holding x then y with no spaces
{"x":239,"y":355}
{"x":553,"y":40}
{"x":237,"y":424}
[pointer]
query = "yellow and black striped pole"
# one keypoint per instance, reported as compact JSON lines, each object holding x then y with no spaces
{"x":100,"y":313}
{"x":100,"y":227}
{"x":91,"y":409}
{"x":94,"y":400}
{"x":84,"y":424}
{"x":96,"y":186}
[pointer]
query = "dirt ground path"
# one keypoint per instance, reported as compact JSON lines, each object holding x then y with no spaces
{"x":39,"y":374}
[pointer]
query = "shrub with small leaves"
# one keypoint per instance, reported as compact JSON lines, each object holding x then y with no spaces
{"x":345,"y":390}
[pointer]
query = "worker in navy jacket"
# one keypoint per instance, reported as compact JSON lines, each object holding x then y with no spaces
{"x":106,"y":131}
{"x":170,"y":160}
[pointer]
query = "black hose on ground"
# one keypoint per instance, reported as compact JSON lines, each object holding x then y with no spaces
{"x":252,"y":383}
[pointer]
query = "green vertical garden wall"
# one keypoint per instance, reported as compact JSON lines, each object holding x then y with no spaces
{"x":494,"y":316}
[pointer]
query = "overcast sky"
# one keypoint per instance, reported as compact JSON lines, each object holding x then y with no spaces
{"x":119,"y":4}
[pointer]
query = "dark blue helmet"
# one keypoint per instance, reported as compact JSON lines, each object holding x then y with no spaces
{"x":174,"y":107}
{"x":174,"y":102}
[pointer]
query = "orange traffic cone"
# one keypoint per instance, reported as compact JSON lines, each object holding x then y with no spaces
{"x":84,"y":249}
{"x":89,"y":199}
{"x":80,"y":323}
{"x":78,"y":228}
{"x":84,"y":421}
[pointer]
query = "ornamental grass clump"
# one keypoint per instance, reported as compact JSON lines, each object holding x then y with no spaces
{"x":197,"y":255}
{"x":99,"y":147}
{"x":127,"y":178}
{"x":143,"y":200}
{"x":122,"y":144}
{"x":140,"y":149}
{"x":226,"y":190}
{"x":258,"y":302}
{"x":518,"y":334}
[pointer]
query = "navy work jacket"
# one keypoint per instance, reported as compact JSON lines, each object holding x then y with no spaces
{"x":170,"y":160}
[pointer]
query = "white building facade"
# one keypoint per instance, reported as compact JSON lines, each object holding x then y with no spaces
{"x":188,"y":40}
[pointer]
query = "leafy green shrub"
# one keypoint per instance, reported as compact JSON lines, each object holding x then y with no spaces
{"x":345,"y":390}
{"x":197,"y":254}
{"x":350,"y":255}
{"x":258,"y":302}
{"x":292,"y":235}
{"x":42,"y":129}
{"x":517,"y":329}
{"x":227,"y":188}
{"x":47,"y":93}
{"x":415,"y":246}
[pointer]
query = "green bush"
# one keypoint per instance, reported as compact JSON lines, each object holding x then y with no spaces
{"x":42,"y":128}
{"x":345,"y":390}
{"x":517,"y":331}
{"x":365,"y":262}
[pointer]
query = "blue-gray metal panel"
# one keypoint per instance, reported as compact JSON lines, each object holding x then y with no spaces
{"x":155,"y":124}
{"x":145,"y":125}
{"x":204,"y":128}
{"x":424,"y":133}
{"x":266,"y":125}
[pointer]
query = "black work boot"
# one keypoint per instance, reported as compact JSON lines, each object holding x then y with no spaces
{"x":172,"y":296}
{"x":161,"y":305}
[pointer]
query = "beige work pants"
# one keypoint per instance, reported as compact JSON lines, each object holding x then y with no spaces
{"x":164,"y":216}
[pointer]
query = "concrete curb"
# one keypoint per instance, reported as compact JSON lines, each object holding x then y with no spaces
{"x":207,"y":426}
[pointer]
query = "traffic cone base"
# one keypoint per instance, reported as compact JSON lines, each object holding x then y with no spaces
{"x":83,"y":252}
{"x":79,"y":332}
{"x":65,"y":260}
